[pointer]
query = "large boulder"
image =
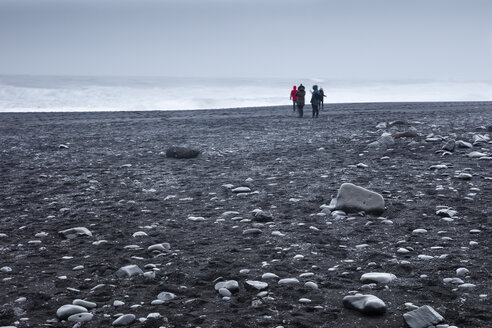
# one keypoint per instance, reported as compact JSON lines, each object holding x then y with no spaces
{"x":181,"y":152}
{"x":352,"y":198}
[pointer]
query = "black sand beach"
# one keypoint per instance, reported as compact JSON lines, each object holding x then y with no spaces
{"x":108,"y":172}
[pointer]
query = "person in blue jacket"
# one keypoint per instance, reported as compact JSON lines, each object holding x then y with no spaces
{"x":316,"y":100}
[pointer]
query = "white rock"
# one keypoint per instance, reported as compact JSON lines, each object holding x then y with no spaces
{"x":118,"y":303}
{"x":77,"y":231}
{"x":304,"y":300}
{"x":239,"y":190}
{"x":462,"y":272}
{"x":269,"y":275}
{"x":419,"y":231}
{"x":258,"y":285}
{"x":124,"y":320}
{"x":159,"y":247}
{"x":354,"y":198}
{"x":231,"y":285}
{"x":129,"y":271}
{"x":166,"y":296}
{"x":84,"y":303}
{"x":140,"y":234}
{"x":224,"y":292}
{"x":196,"y":218}
{"x":80,"y":317}
{"x":378,"y":277}
{"x":288,"y":281}
{"x":311,"y":285}
{"x":67,"y":310}
{"x":476,"y":154}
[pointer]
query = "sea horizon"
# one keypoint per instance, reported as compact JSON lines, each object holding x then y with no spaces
{"x":66,"y":93}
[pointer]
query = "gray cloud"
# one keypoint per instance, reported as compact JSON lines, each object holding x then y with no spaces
{"x":440,"y":39}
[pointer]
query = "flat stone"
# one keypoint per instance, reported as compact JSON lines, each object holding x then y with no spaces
{"x":419,"y":231}
{"x":231,"y":285}
{"x":258,"y":285}
{"x":367,"y":304}
{"x":67,"y":310}
{"x":239,"y":190}
{"x":80,"y":317}
{"x":422,"y":317}
{"x":181,"y":152}
{"x":124,"y":320}
{"x":75,"y":232}
{"x":224,"y":292}
{"x":269,"y":275}
{"x":252,"y":231}
{"x":377,"y":277}
{"x":476,"y":154}
{"x":311,"y":285}
{"x":288,"y":281}
{"x":352,"y":198}
{"x":86,"y":304}
{"x":129,"y":271}
{"x":166,"y":296}
{"x":463,"y":144}
{"x":462,"y":272}
{"x":159,"y":247}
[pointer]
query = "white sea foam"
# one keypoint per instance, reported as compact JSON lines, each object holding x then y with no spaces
{"x":38,"y":93}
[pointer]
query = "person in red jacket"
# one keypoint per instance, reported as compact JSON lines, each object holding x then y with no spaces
{"x":293,"y":97}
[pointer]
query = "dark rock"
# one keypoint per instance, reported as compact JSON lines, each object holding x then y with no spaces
{"x":422,"y":317}
{"x":181,"y":152}
{"x":406,"y":134}
{"x":261,"y":216}
{"x":449,"y":146}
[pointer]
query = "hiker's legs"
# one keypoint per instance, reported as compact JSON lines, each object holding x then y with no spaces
{"x":315,"y":110}
{"x":300,"y":110}
{"x":294,"y":105}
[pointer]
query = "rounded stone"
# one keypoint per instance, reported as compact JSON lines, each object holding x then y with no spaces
{"x":124,"y":320}
{"x":166,"y":296}
{"x":225,"y":292}
{"x":80,"y":317}
{"x":86,"y":304}
{"x":67,"y":310}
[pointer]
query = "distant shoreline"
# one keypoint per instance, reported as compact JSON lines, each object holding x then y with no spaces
{"x":328,"y":107}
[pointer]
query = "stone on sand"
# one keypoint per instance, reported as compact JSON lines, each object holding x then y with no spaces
{"x":67,"y":310}
{"x":74,"y":232}
{"x":124,"y":320}
{"x":352,"y":198}
{"x":181,"y":152}
{"x":378,"y":277}
{"x":422,"y":317}
{"x":129,"y":271}
{"x":367,"y":304}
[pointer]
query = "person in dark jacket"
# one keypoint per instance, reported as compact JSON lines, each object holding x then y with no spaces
{"x":315,"y":100}
{"x":293,"y":97}
{"x":322,"y":105}
{"x":300,"y":94}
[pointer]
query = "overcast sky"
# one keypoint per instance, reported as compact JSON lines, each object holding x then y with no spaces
{"x":351,"y":39}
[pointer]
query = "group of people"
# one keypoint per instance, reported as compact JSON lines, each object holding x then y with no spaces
{"x":298,"y":96}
